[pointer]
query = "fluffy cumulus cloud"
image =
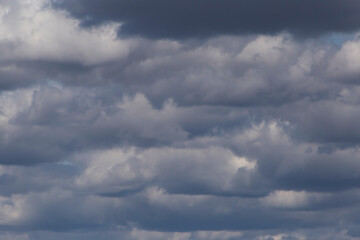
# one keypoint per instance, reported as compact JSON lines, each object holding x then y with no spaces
{"x":179,"y":119}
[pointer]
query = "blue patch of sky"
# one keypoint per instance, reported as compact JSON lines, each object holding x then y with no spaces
{"x":339,"y":39}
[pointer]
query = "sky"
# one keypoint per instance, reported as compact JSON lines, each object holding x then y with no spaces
{"x":179,"y":119}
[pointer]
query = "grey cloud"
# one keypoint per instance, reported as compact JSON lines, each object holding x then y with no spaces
{"x":13,"y":77}
{"x":82,"y":212}
{"x":48,"y":130}
{"x":192,"y":136}
{"x":326,"y":122}
{"x":227,"y":71}
{"x":186,"y":19}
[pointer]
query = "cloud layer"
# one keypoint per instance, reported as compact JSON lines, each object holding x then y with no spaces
{"x":116,"y":123}
{"x":189,"y":18}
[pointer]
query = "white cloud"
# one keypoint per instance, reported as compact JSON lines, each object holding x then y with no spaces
{"x":268,"y":50}
{"x":346,"y":63}
{"x":287,"y":199}
{"x":12,"y":210}
{"x":122,"y":169}
{"x":35,"y":32}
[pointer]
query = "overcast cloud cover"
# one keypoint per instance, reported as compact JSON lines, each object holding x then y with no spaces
{"x":179,"y":119}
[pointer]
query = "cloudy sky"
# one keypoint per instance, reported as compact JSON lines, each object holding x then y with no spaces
{"x":179,"y":119}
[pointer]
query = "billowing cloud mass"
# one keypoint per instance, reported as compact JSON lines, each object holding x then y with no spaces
{"x":179,"y":120}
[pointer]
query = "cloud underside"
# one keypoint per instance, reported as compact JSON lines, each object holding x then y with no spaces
{"x":116,"y":122}
{"x":199,"y":18}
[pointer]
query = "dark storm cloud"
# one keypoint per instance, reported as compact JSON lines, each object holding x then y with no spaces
{"x":184,"y":19}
